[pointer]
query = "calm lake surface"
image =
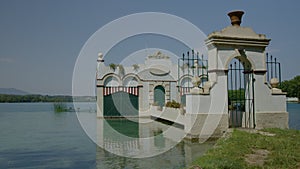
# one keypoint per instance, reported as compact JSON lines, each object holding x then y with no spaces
{"x":33,"y":136}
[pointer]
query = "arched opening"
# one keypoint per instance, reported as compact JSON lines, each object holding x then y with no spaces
{"x":240,"y":93}
{"x":130,"y":81}
{"x":120,"y":104}
{"x":111,"y":81}
{"x":159,"y":95}
{"x":120,"y":100}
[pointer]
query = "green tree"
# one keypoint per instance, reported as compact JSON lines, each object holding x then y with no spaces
{"x":292,"y":87}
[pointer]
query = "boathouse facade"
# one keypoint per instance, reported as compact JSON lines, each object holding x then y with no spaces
{"x":233,"y":88}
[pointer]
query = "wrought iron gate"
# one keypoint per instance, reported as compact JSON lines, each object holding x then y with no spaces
{"x":241,"y":95}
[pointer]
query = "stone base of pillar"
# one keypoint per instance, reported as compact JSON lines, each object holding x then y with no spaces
{"x":205,"y":126}
{"x":272,"y":120}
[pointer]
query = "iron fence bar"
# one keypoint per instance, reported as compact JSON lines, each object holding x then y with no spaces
{"x":207,"y":70}
{"x":245,"y":88}
{"x":240,"y":92}
{"x":193,"y":67}
{"x":275,"y":68}
{"x":253,"y":102}
{"x":202,"y":64}
{"x":188,"y":63}
{"x":267,"y":68}
{"x":178,"y":73}
{"x":228,"y":97}
{"x":198,"y":64}
{"x":248,"y":102}
{"x":235,"y":90}
{"x":182,"y":63}
{"x":279,"y":74}
{"x":231,"y":113}
{"x":271,"y":66}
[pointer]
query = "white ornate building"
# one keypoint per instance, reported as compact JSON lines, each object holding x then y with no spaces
{"x":155,"y":82}
{"x":210,"y":110}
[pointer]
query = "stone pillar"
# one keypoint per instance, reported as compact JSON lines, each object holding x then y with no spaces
{"x":100,"y":70}
{"x":249,"y":47}
{"x":100,"y":107}
{"x":141,"y":99}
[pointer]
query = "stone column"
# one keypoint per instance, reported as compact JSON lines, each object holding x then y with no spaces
{"x":100,"y":107}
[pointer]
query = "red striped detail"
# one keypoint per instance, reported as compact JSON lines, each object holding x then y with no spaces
{"x":184,"y":90}
{"x":111,"y":90}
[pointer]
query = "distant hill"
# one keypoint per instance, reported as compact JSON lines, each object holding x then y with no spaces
{"x":12,"y":91}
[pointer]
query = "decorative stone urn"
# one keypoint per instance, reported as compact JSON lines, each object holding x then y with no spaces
{"x":274,"y":82}
{"x":206,"y":87}
{"x":196,"y":81}
{"x":236,"y":17}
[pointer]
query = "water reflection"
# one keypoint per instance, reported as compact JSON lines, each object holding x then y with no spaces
{"x":33,"y":136}
{"x":144,"y":138}
{"x":180,"y":156}
{"x":136,"y":138}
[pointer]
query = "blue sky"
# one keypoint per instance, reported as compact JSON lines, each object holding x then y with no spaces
{"x":41,"y":39}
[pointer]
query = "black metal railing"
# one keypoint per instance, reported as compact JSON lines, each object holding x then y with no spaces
{"x":273,"y":68}
{"x":187,"y":66}
{"x":190,"y":65}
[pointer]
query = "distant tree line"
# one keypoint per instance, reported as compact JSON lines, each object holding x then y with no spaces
{"x":5,"y":98}
{"x":292,"y":87}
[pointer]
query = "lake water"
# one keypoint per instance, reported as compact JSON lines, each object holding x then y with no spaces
{"x":294,"y":115}
{"x":33,"y":136}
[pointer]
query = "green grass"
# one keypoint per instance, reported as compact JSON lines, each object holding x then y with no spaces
{"x":230,"y":153}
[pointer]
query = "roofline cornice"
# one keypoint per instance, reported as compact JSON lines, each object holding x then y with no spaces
{"x":240,"y":41}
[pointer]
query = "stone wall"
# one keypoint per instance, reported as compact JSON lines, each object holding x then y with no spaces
{"x":170,"y":114}
{"x":272,"y":120}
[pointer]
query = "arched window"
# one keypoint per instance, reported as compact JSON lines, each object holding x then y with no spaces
{"x":111,"y":81}
{"x":130,"y":81}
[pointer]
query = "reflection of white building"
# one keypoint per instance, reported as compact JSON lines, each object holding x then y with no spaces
{"x":137,"y":87}
{"x":155,"y":140}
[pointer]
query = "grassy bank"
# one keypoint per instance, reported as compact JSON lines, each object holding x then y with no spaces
{"x":271,"y":148}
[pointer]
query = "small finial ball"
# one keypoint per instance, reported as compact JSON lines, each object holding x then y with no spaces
{"x":100,"y":55}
